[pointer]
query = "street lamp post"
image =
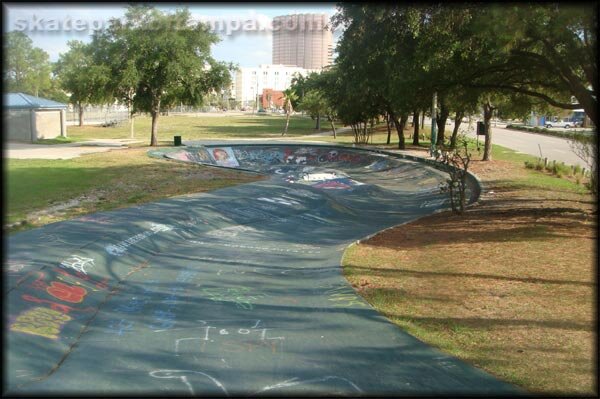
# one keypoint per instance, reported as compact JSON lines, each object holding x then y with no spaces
{"x":433,"y":125}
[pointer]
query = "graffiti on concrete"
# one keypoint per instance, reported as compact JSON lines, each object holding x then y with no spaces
{"x":263,"y":158}
{"x":67,"y":293}
{"x":189,"y":378}
{"x":224,"y":338}
{"x":122,"y":247}
{"x":242,"y":297}
{"x":40,"y":321}
{"x":296,"y":381}
{"x":224,"y":156}
{"x":231,"y":232}
{"x":77,"y":263}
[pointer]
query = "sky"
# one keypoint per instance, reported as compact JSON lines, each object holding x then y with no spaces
{"x":242,"y":40}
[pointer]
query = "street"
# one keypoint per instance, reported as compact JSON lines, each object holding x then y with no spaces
{"x":553,"y":148}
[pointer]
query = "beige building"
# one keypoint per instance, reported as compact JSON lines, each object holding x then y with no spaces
{"x":29,"y":118}
{"x":302,"y":40}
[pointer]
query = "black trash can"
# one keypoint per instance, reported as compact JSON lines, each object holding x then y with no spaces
{"x":480,"y":129}
{"x":177,"y":140}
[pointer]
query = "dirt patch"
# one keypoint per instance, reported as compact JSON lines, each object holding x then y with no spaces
{"x":509,"y":287}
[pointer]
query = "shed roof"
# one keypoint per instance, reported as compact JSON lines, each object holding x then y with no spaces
{"x":25,"y":101}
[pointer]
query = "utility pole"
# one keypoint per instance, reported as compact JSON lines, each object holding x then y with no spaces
{"x":433,"y":124}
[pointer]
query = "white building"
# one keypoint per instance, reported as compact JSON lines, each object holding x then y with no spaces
{"x":250,"y":81}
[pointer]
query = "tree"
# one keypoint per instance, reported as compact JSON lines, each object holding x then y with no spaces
{"x":546,"y":51}
{"x":81,"y":77}
{"x":288,"y":98}
{"x":27,"y":69}
{"x":314,"y":105}
{"x":585,"y":146}
{"x":168,"y":59}
{"x":456,"y":162}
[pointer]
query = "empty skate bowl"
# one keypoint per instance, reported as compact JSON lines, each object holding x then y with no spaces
{"x":234,"y":292}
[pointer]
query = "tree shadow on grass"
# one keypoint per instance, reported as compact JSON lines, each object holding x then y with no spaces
{"x":404,"y":273}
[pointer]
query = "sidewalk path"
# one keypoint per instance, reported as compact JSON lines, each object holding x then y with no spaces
{"x":63,"y":151}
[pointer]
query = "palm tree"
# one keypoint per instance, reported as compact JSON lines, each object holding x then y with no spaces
{"x":288,"y":97}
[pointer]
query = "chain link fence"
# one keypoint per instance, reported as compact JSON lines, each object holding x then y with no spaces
{"x":111,"y":115}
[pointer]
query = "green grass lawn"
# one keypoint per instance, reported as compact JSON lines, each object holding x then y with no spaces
{"x":102,"y":181}
{"x":200,"y":127}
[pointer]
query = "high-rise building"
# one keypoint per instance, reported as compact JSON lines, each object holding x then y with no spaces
{"x":302,"y":40}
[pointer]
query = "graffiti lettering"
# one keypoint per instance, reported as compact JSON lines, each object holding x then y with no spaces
{"x":40,"y":321}
{"x":77,"y":263}
{"x":68,"y":278}
{"x":120,"y":248}
{"x":55,"y":306}
{"x":67,"y":293}
{"x":259,"y":337}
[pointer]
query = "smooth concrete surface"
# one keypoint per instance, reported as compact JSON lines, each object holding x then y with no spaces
{"x":234,"y":292}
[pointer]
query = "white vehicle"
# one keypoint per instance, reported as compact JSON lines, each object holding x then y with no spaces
{"x":563,"y":124}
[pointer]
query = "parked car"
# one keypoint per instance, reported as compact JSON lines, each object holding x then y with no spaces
{"x":563,"y":124}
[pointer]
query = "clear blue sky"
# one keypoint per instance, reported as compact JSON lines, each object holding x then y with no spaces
{"x":50,"y":27}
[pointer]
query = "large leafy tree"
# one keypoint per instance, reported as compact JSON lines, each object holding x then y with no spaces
{"x":547,"y":51}
{"x":398,"y":53}
{"x":27,"y":69}
{"x":160,"y":59}
{"x":80,"y":76}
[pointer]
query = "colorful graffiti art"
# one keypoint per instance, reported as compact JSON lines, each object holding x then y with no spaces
{"x":41,"y":321}
{"x":67,"y":293}
{"x":224,"y":156}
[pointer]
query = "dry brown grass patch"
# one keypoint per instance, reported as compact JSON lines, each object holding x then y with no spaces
{"x":510,"y":286}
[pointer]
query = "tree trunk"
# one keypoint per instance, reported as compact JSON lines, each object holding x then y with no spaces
{"x":287,"y":123}
{"x":488,"y":111}
{"x":389,"y":127}
{"x":399,"y":129}
{"x":80,"y":107}
{"x":457,"y":122}
{"x":441,"y":121}
{"x":131,"y":130}
{"x":318,"y":125}
{"x":154,"y":137}
{"x":415,"y":128}
{"x":423,"y":120}
{"x":332,"y":127}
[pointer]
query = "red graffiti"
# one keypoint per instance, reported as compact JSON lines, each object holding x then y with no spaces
{"x":102,"y":285}
{"x":39,"y":283}
{"x":67,"y":293}
{"x":56,"y":306}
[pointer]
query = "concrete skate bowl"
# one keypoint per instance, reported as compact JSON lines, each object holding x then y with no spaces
{"x":329,"y":169}
{"x":236,"y":292}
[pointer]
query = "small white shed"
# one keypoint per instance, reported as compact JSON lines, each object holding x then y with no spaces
{"x":29,"y":118}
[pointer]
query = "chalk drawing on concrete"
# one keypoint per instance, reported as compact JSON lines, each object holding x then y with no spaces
{"x":197,"y":378}
{"x":78,"y":263}
{"x":296,"y":381}
{"x":122,"y":247}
